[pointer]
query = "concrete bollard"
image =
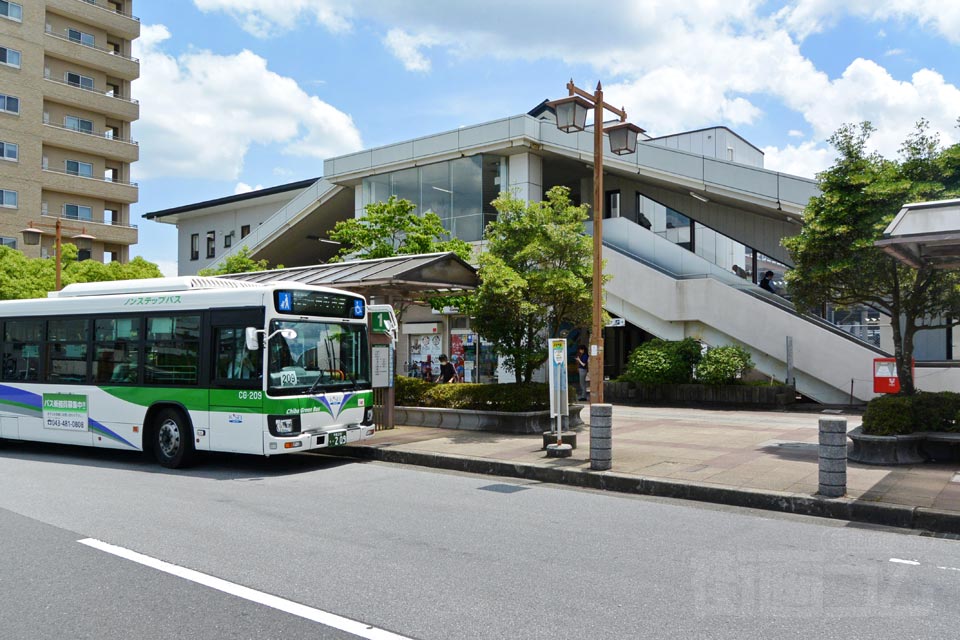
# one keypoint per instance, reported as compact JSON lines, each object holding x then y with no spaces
{"x":833,"y":457}
{"x":601,"y":436}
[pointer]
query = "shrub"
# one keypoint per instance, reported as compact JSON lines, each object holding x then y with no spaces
{"x":532,"y":396}
{"x":936,"y":411}
{"x":409,"y":391}
{"x":723,"y":365}
{"x":663,"y":362}
{"x":901,"y":414}
{"x":889,"y":416}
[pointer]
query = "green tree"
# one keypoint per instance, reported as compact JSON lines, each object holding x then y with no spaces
{"x":393,"y":228}
{"x":238,"y":262}
{"x":534,"y":276}
{"x":23,"y":277}
{"x":836,"y":260}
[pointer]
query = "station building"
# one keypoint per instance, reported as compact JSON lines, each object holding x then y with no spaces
{"x":692,"y":221}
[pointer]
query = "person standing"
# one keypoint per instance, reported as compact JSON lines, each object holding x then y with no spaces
{"x":767,"y":283}
{"x":447,"y":372}
{"x":583,"y":363}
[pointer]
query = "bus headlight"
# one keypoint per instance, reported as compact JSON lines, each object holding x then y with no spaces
{"x":284,"y":425}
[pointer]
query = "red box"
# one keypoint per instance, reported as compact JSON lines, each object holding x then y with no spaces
{"x":885,"y":378}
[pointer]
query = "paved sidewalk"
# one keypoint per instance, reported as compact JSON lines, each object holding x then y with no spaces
{"x":766,"y":459}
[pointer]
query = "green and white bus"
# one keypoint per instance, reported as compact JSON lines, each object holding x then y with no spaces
{"x":172,"y":366}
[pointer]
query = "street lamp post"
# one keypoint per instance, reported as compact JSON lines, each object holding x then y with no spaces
{"x":571,"y":116}
{"x":31,"y":236}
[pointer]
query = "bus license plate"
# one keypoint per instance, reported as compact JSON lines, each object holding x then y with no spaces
{"x":336,"y":438}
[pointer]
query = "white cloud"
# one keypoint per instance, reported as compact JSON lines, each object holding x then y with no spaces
{"x":795,"y":133}
{"x":805,"y":17}
{"x":805,"y":159}
{"x":407,"y":49}
{"x":198,"y":117}
{"x":674,"y":65}
{"x":265,"y":19}
{"x":243,"y":187}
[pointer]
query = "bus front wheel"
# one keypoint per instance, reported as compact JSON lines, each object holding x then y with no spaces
{"x":172,"y":439}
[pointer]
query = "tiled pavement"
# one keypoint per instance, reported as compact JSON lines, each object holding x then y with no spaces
{"x":753,"y":450}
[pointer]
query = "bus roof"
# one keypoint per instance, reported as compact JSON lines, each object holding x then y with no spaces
{"x":150,"y":285}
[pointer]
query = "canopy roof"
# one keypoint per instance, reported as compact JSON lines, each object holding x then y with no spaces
{"x":404,"y":277}
{"x":925,"y":233}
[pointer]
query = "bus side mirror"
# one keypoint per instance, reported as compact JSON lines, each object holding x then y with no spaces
{"x":253,"y":340}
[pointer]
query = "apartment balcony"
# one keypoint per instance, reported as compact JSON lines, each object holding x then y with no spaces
{"x":93,"y":142}
{"x":97,"y":12}
{"x":104,"y":232}
{"x":118,"y":107}
{"x":100,"y":188}
{"x":94,"y":57}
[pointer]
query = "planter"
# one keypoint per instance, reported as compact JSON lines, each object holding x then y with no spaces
{"x":885,"y":450}
{"x":496,"y":421}
{"x":699,"y":394}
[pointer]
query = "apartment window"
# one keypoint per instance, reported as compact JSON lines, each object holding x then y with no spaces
{"x":195,"y":246}
{"x":228,"y":240}
{"x":77,"y":168}
{"x":78,"y":124}
{"x":8,"y":242}
{"x":11,"y":10}
{"x":10,"y":57}
{"x":77,"y":80}
{"x":244,"y":231}
{"x":81,"y":37}
{"x":9,"y":151}
{"x":211,"y":244}
{"x":8,"y":199}
{"x":9,"y":104}
{"x":77,"y":212}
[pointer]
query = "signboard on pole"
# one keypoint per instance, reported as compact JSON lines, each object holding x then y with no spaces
{"x":381,"y":365}
{"x":558,"y":378}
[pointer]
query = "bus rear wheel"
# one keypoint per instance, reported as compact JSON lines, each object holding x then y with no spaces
{"x":172,"y":439}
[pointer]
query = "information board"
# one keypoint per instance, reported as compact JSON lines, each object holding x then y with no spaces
{"x":382,"y":366}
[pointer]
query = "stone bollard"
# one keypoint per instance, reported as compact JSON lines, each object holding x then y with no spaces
{"x":601,"y":436}
{"x":833,"y":457}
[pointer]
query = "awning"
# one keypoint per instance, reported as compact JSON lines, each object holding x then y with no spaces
{"x":925,"y":234}
{"x":403,"y":277}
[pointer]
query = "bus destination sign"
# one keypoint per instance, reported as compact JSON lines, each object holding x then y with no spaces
{"x":317,"y":303}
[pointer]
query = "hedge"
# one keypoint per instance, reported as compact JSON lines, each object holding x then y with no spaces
{"x":512,"y":397}
{"x":903,"y":414}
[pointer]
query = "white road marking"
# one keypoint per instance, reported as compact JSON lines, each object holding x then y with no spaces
{"x":910,"y":562}
{"x":949,"y":568}
{"x":316,"y":615}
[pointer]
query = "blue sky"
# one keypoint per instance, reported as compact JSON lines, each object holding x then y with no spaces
{"x":241,"y":94}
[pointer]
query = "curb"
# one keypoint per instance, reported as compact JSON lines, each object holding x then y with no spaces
{"x":890,"y":515}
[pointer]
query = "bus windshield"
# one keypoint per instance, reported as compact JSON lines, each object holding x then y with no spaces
{"x":324,"y":356}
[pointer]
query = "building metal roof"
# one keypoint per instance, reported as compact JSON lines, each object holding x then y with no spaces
{"x":404,"y":277}
{"x":925,"y":234}
{"x":259,"y":193}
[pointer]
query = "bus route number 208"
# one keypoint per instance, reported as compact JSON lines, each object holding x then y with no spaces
{"x":250,"y":395}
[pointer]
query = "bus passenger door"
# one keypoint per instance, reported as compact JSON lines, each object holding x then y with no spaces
{"x":236,"y":394}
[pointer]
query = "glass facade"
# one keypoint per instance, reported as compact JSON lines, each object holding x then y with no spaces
{"x":458,"y":191}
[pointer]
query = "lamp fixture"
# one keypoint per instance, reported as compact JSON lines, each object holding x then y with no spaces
{"x":697,"y":196}
{"x":324,"y":240}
